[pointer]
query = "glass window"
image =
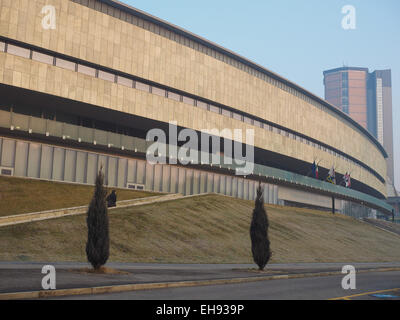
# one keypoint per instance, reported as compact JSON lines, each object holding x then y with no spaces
{"x":174,"y":96}
{"x":188,"y":100}
{"x":247,"y":120}
{"x":214,"y":108}
{"x":237,"y":116}
{"x":86,"y":70}
{"x":2,"y":46}
{"x":86,"y":122}
{"x":202,"y":105}
{"x":106,"y":76}
{"x":158,"y":91}
{"x":41,"y":57}
{"x":5,"y":108}
{"x":226,"y":113}
{"x":22,"y":109}
{"x":18,"y":51}
{"x":125,"y":81}
{"x":257,"y":123}
{"x":142,"y":86}
{"x":49,"y":114}
{"x":105,"y":126}
{"x":65,"y":64}
{"x":67,"y":118}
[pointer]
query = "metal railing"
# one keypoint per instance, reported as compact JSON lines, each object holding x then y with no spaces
{"x":66,"y":131}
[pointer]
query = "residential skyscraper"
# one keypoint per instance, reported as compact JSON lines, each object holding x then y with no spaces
{"x":380,"y":100}
{"x":346,"y":88}
{"x":367,"y":98}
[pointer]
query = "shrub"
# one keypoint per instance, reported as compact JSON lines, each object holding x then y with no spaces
{"x":259,"y":232}
{"x":98,"y":242}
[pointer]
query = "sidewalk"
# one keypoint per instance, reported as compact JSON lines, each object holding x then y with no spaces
{"x":25,"y":277}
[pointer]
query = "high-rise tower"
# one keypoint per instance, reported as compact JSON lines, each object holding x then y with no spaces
{"x":367,"y":98}
{"x":346,"y":88}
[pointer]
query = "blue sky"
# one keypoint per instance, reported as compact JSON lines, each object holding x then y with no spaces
{"x":297,"y":39}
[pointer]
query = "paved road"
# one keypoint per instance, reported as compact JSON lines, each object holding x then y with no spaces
{"x":387,"y":283}
{"x":27,"y":276}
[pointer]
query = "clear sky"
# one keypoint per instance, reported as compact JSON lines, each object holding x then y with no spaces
{"x":297,"y":39}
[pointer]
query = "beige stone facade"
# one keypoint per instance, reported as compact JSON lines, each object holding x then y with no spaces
{"x":101,"y":39}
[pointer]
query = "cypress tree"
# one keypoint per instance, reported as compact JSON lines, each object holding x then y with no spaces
{"x":98,"y":242}
{"x":259,"y":232}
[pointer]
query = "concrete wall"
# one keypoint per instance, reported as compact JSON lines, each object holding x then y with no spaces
{"x":36,"y":160}
{"x":299,"y":196}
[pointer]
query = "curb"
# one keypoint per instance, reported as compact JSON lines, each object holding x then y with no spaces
{"x":380,"y":227}
{"x":64,"y":212}
{"x":161,"y":285}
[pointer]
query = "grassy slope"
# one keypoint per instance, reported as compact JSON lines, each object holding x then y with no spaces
{"x":28,"y":195}
{"x":204,"y":229}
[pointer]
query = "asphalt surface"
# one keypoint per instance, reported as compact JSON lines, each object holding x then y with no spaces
{"x":27,"y":276}
{"x":369,"y":286}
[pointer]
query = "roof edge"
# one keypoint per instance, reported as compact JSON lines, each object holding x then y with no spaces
{"x":346,"y":69}
{"x":144,"y":15}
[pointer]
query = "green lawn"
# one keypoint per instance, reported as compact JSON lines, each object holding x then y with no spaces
{"x":19,"y":195}
{"x":203,"y":229}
